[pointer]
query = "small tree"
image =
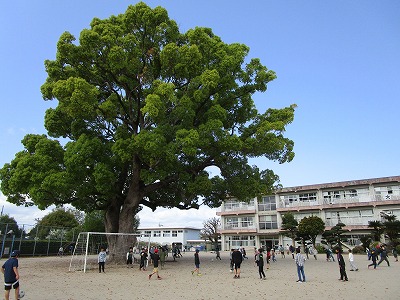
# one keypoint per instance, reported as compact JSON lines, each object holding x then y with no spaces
{"x":366,"y":241}
{"x":303,"y":238}
{"x":210,"y":231}
{"x":377,"y":229}
{"x":312,"y":227}
{"x":392,"y":229}
{"x":289,"y":226}
{"x":335,"y":236}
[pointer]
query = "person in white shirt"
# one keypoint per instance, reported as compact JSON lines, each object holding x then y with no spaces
{"x":351,"y":260}
{"x":300,"y":259}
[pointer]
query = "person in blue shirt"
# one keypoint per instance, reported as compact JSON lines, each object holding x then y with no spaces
{"x":11,"y":275}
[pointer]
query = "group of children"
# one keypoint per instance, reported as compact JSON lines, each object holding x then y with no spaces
{"x":154,"y":258}
{"x":236,"y":257}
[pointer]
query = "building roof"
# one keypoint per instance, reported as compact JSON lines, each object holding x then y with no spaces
{"x":392,"y":179}
{"x":167,"y":228}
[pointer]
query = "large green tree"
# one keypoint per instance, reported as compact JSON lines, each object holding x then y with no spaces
{"x":311,"y":226}
{"x":58,"y":223}
{"x":145,"y":110}
{"x":9,"y":226}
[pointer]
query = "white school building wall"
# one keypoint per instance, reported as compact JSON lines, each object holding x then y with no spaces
{"x":169,"y":235}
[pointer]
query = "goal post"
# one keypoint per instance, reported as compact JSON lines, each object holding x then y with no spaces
{"x":88,"y":245}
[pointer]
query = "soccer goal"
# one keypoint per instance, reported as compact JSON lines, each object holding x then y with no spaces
{"x":88,"y":245}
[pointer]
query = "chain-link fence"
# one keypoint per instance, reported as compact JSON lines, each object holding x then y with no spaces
{"x":36,"y":240}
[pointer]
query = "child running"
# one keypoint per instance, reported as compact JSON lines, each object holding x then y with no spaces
{"x":156,"y":259}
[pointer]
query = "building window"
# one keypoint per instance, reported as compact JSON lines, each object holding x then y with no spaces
{"x":231,"y":205}
{"x":268,"y":222}
{"x":289,"y":199}
{"x":231,"y":223}
{"x":147,"y":233}
{"x":157,"y":233}
{"x":308,"y":197}
{"x":350,"y":193}
{"x":238,"y":241}
{"x":267,"y":203}
{"x":166,"y":233}
{"x":174,"y":233}
{"x":247,"y":221}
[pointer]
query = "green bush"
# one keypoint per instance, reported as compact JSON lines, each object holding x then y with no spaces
{"x":320,"y":249}
{"x":358,"y":249}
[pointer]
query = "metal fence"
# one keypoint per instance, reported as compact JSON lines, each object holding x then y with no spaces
{"x":35,"y":240}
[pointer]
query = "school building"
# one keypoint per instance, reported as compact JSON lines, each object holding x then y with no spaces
{"x":354,"y":203}
{"x":182,"y":237}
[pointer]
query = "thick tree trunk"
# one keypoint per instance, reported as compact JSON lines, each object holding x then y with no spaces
{"x":120,"y":217}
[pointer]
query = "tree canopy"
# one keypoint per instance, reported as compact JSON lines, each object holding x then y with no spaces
{"x":289,"y":226}
{"x":335,"y":236}
{"x":145,"y":110}
{"x":312,"y":227}
{"x":8,"y":225}
{"x":58,"y":222}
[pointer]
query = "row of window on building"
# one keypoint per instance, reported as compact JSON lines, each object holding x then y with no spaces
{"x":161,"y":233}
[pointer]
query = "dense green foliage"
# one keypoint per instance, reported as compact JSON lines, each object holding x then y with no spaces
{"x":145,"y":110}
{"x":289,"y":226}
{"x":8,"y":224}
{"x":335,"y":236}
{"x":311,"y":227}
{"x":59,"y":224}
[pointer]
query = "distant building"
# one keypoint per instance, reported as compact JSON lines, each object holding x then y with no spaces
{"x":183,"y":237}
{"x":354,"y":203}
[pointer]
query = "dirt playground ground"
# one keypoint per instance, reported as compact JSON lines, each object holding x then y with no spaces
{"x":45,"y":278}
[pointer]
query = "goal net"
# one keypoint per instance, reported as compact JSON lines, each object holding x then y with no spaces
{"x":89,"y":244}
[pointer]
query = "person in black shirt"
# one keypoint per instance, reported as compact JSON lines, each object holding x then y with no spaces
{"x":260,"y":263}
{"x":237,"y":259}
{"x":342,"y":265}
{"x":11,"y":275}
{"x":196,"y":263}
{"x":156,"y":259}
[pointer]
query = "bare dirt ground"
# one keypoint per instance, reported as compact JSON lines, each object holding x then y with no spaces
{"x":45,"y":278}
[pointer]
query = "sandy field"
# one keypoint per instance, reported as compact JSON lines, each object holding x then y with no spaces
{"x":48,"y":278}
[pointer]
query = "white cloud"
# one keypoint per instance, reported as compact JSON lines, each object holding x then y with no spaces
{"x":23,"y":215}
{"x":175,"y":217}
{"x":167,"y":217}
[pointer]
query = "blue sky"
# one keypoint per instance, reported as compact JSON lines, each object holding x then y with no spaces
{"x":337,"y":60}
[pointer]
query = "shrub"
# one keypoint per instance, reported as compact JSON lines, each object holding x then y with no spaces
{"x":320,"y":249}
{"x":358,"y":249}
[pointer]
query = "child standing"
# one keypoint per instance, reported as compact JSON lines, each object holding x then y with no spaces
{"x":196,"y":263}
{"x":260,"y":263}
{"x":102,"y":259}
{"x":11,"y":275}
{"x":156,"y":259}
{"x":351,"y":260}
{"x":129,"y":258}
{"x":300,"y":259}
{"x":342,"y":265}
{"x":143,"y":259}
